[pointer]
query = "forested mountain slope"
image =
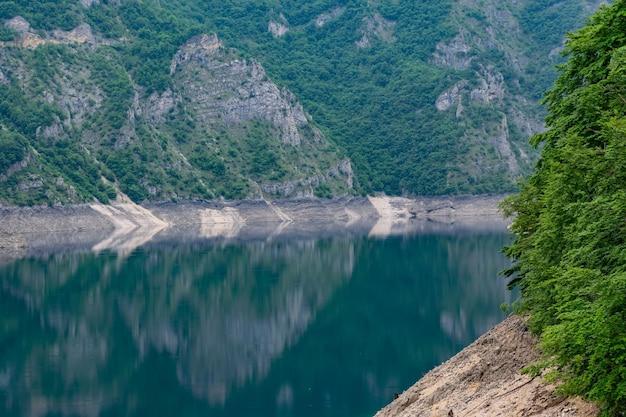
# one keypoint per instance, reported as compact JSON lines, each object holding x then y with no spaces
{"x":570,"y":254}
{"x":174,"y":99}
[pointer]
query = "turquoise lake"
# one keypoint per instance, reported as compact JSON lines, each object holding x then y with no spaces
{"x":297,"y":326}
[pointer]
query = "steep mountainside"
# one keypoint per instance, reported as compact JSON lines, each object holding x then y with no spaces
{"x":189,"y":99}
{"x":76,"y":126}
{"x":427,"y":98}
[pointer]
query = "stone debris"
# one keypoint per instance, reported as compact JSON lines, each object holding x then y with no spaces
{"x":485,"y":380}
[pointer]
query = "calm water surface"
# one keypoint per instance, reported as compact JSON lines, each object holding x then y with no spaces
{"x":291,"y":327}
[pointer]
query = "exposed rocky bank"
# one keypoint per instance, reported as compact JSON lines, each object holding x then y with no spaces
{"x":125,"y":225}
{"x":485,"y":379}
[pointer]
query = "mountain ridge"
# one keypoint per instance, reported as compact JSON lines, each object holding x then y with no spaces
{"x":386,"y":97}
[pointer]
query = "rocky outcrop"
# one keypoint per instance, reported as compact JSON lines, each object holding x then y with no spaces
{"x":193,"y":133}
{"x":454,"y":53}
{"x":18,"y":24}
{"x":157,"y":106}
{"x":491,"y":88}
{"x":503,"y":146}
{"x":233,"y":90}
{"x":293,"y":188}
{"x":451,"y":96}
{"x":215,"y":95}
{"x":88,"y":3}
{"x":278,"y":28}
{"x":28,"y":39}
{"x":305,"y":187}
{"x":326,"y":17}
{"x":488,"y":88}
{"x":507,"y":119}
{"x":226,"y":93}
{"x":81,"y":34}
{"x":375,"y":26}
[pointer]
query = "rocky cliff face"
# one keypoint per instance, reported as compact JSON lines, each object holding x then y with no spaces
{"x":223,"y":89}
{"x":223,"y":128}
{"x":490,"y":51}
{"x":138,"y":100}
{"x":484,"y":87}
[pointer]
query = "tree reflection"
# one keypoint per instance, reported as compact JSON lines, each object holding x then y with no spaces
{"x":287,"y":327}
{"x":224,"y":314}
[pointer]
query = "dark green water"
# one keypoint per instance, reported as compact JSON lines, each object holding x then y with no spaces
{"x":297,"y":327}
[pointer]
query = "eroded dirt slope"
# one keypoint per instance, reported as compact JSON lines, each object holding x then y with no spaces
{"x":484,"y":379}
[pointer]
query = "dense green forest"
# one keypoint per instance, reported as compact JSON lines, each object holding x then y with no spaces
{"x":372,"y":76}
{"x":570,"y":254}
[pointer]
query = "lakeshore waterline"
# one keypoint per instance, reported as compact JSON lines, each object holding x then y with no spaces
{"x":124,"y":225}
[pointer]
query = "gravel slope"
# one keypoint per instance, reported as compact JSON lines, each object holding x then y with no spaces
{"x":484,"y":380}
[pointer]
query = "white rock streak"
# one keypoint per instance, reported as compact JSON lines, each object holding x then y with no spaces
{"x":134,"y":226}
{"x":393,"y":211}
{"x":226,"y":222}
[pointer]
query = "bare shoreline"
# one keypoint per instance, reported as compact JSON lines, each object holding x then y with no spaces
{"x":125,"y":225}
{"x":485,"y":380}
{"x":341,"y":210}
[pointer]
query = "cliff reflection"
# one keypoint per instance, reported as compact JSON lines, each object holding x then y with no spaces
{"x":76,"y":329}
{"x":287,"y":327}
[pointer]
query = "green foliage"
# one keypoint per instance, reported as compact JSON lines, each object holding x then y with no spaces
{"x":367,"y":98}
{"x":129,"y":170}
{"x":259,"y":154}
{"x":323,"y":190}
{"x":375,"y":104}
{"x":549,"y":20}
{"x":104,"y":19}
{"x":78,"y":168}
{"x":207,"y":161}
{"x":546,"y":22}
{"x":570,"y":254}
{"x":158,"y":35}
{"x":12,"y":150}
{"x":23,"y":113}
{"x":9,"y":9}
{"x":44,"y":14}
{"x":117,"y":86}
{"x":7,"y":34}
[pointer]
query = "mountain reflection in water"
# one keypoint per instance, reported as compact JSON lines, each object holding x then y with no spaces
{"x":289,"y":327}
